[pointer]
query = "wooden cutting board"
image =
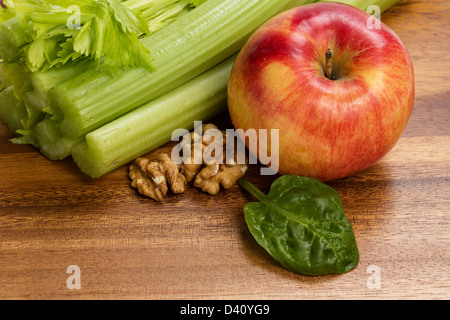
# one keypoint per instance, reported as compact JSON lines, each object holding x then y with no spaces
{"x":195,"y":246}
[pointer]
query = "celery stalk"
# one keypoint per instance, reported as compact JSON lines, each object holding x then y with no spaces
{"x":4,"y":81}
{"x":147,"y":6}
{"x":18,"y":76}
{"x":34,"y":116}
{"x":16,"y":114}
{"x":151,"y":125}
{"x":33,"y":100}
{"x":184,"y":49}
{"x":32,"y":87}
{"x":49,"y":140}
{"x":43,"y":81}
{"x":166,"y":15}
{"x":12,"y":111}
{"x":13,"y":35}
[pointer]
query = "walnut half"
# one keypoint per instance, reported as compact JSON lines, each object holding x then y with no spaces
{"x":214,"y":175}
{"x":153,"y":178}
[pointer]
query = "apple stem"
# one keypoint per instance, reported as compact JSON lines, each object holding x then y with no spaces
{"x":328,"y":56}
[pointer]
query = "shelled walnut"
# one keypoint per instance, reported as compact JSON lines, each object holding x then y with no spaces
{"x":213,"y":176}
{"x":154,"y":177}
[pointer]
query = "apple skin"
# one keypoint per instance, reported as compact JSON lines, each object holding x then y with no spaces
{"x":327,"y":129}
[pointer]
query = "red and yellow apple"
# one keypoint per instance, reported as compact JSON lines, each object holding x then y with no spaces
{"x":331,"y":125}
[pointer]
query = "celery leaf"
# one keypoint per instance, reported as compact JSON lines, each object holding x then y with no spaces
{"x":102,"y":30}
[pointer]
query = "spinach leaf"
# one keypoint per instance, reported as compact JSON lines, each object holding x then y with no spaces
{"x":302,"y":224}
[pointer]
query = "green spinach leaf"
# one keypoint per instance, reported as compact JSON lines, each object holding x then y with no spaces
{"x":302,"y":224}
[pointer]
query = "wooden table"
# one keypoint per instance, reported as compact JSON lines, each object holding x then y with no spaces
{"x":196,"y":246}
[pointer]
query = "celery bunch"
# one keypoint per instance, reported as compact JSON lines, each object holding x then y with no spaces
{"x":166,"y":65}
{"x":49,"y":33}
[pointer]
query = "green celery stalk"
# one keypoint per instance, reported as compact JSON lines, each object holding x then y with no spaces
{"x":16,"y":114}
{"x":32,"y":87}
{"x":18,"y":76}
{"x":152,"y":9}
{"x":5,"y":14}
{"x":34,"y":100}
{"x":48,"y":139}
{"x":12,"y":111}
{"x":43,"y":81}
{"x":43,"y":134}
{"x":167,"y":15}
{"x":147,"y":6}
{"x":151,"y":125}
{"x":24,"y":112}
{"x":184,"y":49}
{"x":13,"y":35}
{"x":4,"y":82}
{"x":34,"y":115}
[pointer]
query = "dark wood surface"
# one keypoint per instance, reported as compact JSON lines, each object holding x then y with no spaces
{"x":198,"y":246}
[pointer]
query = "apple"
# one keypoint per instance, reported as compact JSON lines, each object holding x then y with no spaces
{"x":339,"y":91}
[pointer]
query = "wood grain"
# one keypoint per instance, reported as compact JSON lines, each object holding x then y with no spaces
{"x":195,"y":246}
